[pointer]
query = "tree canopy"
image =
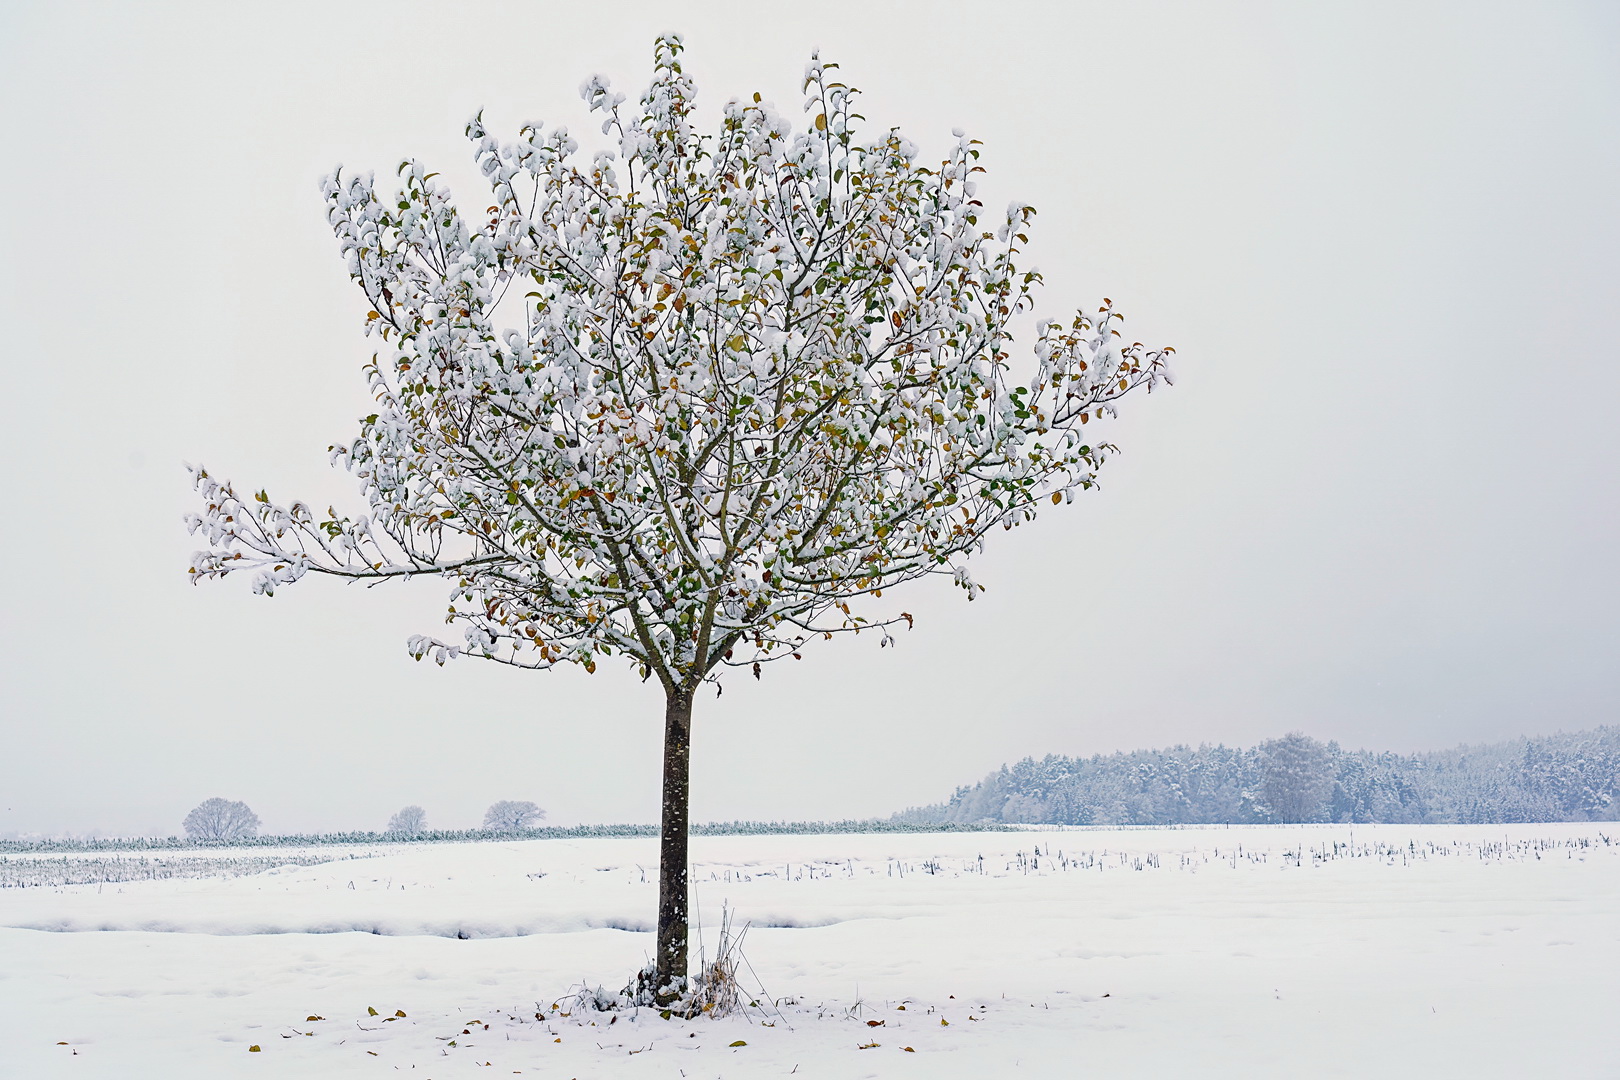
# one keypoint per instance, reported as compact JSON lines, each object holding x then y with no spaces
{"x":756,"y":376}
{"x":221,"y":819}
{"x":510,"y":815}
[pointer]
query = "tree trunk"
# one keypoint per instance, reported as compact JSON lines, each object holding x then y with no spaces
{"x":672,"y":864}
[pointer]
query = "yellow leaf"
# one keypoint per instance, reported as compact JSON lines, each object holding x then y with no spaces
{"x":740,"y":1042}
{"x":1057,"y":497}
{"x":399,"y":1012}
{"x":821,"y":122}
{"x":311,"y":1019}
{"x":254,"y":1049}
{"x":370,"y":1011}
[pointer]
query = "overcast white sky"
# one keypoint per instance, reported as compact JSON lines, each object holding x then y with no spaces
{"x":1380,"y":505}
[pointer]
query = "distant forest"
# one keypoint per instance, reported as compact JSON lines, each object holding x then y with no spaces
{"x":1563,"y":777}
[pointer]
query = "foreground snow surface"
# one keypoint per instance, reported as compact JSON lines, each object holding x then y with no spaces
{"x":1287,"y":951}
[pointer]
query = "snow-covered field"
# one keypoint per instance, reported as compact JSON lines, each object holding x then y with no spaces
{"x":1306,"y":951}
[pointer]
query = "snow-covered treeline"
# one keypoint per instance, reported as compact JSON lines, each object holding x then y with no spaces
{"x":1564,"y":777}
{"x":566,"y":832}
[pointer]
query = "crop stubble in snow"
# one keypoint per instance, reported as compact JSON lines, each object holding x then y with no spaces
{"x":1281,"y":951}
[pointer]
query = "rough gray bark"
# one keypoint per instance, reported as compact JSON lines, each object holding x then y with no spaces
{"x":672,"y":851}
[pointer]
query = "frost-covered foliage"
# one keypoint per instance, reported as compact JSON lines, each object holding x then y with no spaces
{"x":221,"y":819}
{"x":755,"y":376}
{"x":510,"y":815}
{"x":410,"y":819}
{"x":1564,"y":777}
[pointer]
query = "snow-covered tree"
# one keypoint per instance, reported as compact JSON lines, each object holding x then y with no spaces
{"x":1297,"y":777}
{"x":221,"y":819}
{"x":411,"y":819}
{"x":510,"y":816}
{"x":756,"y":379}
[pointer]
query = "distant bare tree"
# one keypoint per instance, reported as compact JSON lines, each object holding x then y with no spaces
{"x":509,"y":816}
{"x":412,"y":819}
{"x":220,"y":819}
{"x":1298,"y":777}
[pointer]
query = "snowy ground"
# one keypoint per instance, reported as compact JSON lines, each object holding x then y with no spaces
{"x":1431,"y":951}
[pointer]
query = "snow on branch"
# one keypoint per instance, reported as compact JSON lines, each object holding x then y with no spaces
{"x":762,"y":374}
